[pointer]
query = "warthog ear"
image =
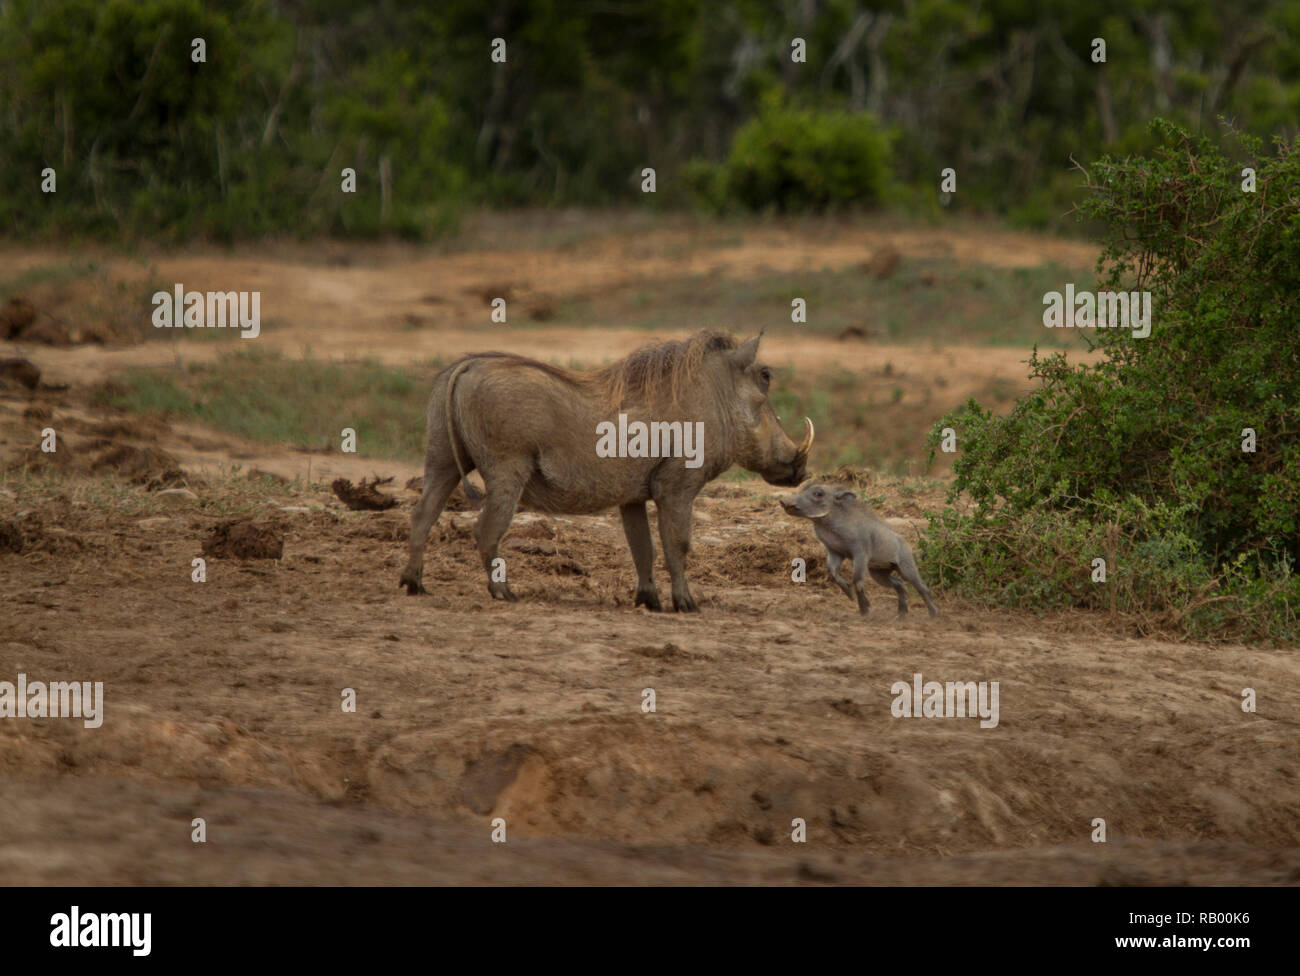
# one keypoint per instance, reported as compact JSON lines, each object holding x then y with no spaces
{"x":743,"y":356}
{"x":841,"y":495}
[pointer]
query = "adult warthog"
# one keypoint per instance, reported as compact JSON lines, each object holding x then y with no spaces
{"x":532,"y":430}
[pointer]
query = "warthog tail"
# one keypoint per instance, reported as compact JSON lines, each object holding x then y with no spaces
{"x":471,"y":493}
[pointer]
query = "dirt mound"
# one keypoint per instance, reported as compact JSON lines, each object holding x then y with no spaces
{"x":87,"y":443}
{"x":539,"y":529}
{"x":364,"y":497}
{"x":257,"y":474}
{"x":49,"y":331}
{"x":847,"y":475}
{"x":554,"y":560}
{"x":107,"y":301}
{"x":64,"y":458}
{"x":667,"y":651}
{"x":11,"y":536}
{"x":15,"y":316}
{"x":149,"y":466}
{"x":758,"y":563}
{"x":20,"y":372}
{"x":134,"y":427}
{"x":33,"y":533}
{"x":542,"y":308}
{"x":21,"y":321}
{"x":884,"y":262}
{"x":244,"y":539}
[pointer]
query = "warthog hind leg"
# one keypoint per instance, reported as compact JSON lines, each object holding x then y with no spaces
{"x":907,"y":570}
{"x":438,"y":486}
{"x":886,"y":578}
{"x":503,"y":493}
{"x":636,"y":526}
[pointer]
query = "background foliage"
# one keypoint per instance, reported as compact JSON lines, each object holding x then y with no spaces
{"x":252,"y":141}
{"x":1139,"y":459}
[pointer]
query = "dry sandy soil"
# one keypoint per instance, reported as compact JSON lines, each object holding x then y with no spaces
{"x":400,"y":305}
{"x":223,"y":697}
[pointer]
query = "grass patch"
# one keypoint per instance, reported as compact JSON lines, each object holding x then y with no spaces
{"x":873,"y":418}
{"x":1158,"y":580}
{"x":15,"y":283}
{"x":267,"y":397}
{"x":100,"y":305}
{"x":228,"y":493}
{"x":928,"y":300}
{"x":868,"y":419}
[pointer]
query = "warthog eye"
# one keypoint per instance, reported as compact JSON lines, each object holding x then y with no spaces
{"x":766,"y":374}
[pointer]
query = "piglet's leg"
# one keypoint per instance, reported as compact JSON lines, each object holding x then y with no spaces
{"x":833,"y":562}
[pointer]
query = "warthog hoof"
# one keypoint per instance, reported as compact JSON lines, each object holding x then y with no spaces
{"x":649,"y":599}
{"x":685,"y":604}
{"x":414,"y":587}
{"x":502,"y":591}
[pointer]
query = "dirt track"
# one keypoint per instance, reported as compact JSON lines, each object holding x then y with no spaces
{"x":223,"y":697}
{"x":774,"y":703}
{"x":401,"y":305}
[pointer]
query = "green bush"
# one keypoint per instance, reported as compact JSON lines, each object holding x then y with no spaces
{"x":1041,"y":558}
{"x":792,"y":160}
{"x":147,"y":142}
{"x":105,"y":92}
{"x":1049,"y":207}
{"x":1150,"y":438}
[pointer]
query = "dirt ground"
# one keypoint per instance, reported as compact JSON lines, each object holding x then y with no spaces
{"x":400,"y":305}
{"x":223,"y":698}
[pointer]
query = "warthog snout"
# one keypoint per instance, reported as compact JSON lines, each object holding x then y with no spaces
{"x":794,"y":471}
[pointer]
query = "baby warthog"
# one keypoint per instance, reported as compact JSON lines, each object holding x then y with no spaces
{"x":849,"y":529}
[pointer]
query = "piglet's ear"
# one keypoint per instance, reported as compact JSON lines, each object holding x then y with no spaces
{"x":841,"y":495}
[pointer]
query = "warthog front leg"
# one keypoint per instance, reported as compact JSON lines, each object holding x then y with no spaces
{"x":860,"y":559}
{"x":438,"y":486}
{"x":503,"y":493}
{"x":833,"y":562}
{"x":886,"y":578}
{"x":636,"y":526}
{"x":675,"y":534}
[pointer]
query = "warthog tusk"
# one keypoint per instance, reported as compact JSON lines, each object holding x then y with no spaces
{"x":807,"y":444}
